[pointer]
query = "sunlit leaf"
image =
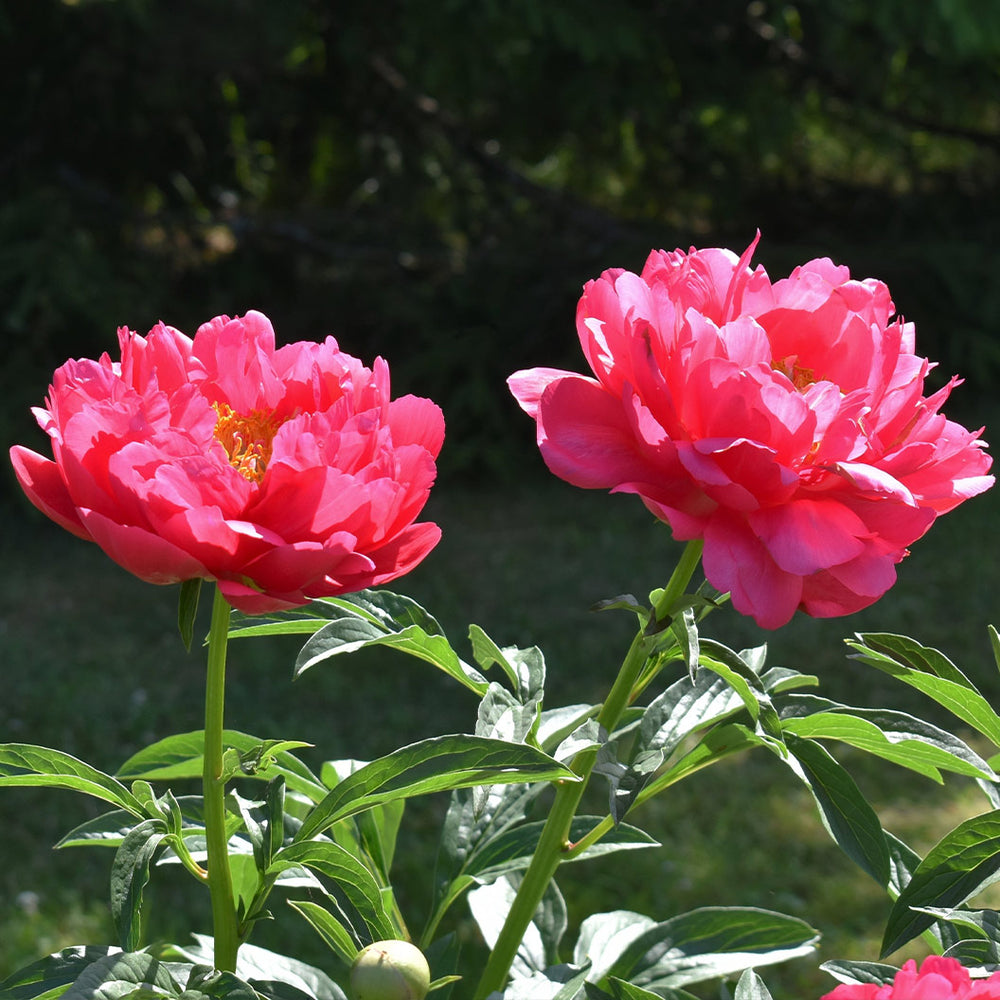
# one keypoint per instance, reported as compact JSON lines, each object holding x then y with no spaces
{"x":22,"y":764}
{"x":964,"y":861}
{"x":129,"y":876}
{"x":433,"y":765}
{"x":846,"y":813}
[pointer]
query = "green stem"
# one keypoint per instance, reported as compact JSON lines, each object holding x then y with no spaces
{"x":553,"y":844}
{"x":220,"y":881}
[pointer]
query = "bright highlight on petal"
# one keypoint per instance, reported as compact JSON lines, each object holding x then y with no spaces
{"x":332,"y":471}
{"x":783,"y":423}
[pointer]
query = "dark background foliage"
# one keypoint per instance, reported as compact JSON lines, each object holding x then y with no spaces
{"x":433,"y":180}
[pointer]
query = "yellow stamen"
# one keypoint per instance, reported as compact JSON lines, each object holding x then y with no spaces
{"x":799,"y":376}
{"x":247,"y":439}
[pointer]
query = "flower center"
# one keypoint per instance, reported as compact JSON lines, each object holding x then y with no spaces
{"x":247,"y":439}
{"x":798,"y":375}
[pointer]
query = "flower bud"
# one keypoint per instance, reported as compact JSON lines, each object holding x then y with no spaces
{"x":390,"y":970}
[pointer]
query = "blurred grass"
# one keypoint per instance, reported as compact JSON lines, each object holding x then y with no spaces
{"x":92,"y":665}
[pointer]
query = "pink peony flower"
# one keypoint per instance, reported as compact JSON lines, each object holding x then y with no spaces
{"x":783,"y":423}
{"x":938,"y":979}
{"x":284,"y":474}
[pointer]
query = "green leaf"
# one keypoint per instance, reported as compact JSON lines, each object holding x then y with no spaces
{"x":120,"y":975}
{"x":983,"y":924}
{"x":181,"y":757}
{"x":490,"y":904}
{"x":433,"y":765}
{"x":741,"y":671}
{"x":187,"y":610}
{"x":468,"y":830}
{"x":380,"y":618}
{"x":107,"y":830}
{"x":524,"y":668}
{"x":621,"y":990}
{"x":262,"y":969}
{"x":964,"y":861}
{"x":129,"y":876}
{"x":931,"y":673}
{"x":751,"y":987}
{"x":711,"y":942}
{"x":22,"y":764}
{"x":684,"y":707}
{"x":340,"y":866}
{"x":845,"y":812}
{"x":329,"y":928}
{"x":896,"y":737}
{"x":861,"y":972}
{"x":214,"y":985}
{"x":52,"y":976}
{"x":603,"y":937}
{"x":513,"y":849}
{"x":501,"y":716}
{"x":717,"y":744}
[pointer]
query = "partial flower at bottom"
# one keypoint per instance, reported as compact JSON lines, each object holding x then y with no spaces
{"x":937,"y":978}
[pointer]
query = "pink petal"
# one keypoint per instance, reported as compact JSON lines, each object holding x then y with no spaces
{"x":142,"y":553}
{"x":43,"y":485}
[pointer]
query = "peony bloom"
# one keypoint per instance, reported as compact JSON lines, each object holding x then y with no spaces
{"x":938,"y":979}
{"x":283,"y":474}
{"x":783,"y":423}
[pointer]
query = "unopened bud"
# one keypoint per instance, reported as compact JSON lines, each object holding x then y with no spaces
{"x":390,"y":970}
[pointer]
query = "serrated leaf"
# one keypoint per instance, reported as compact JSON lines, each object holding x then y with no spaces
{"x":964,"y":861}
{"x":350,"y":875}
{"x":180,"y":757}
{"x":129,"y":876}
{"x":433,"y":765}
{"x":22,"y":764}
{"x":845,"y":812}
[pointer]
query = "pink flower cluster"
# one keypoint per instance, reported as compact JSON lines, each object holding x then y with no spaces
{"x":283,"y":473}
{"x":937,"y":979}
{"x":784,"y":423}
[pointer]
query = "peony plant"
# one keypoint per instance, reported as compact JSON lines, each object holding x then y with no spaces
{"x":781,"y":429}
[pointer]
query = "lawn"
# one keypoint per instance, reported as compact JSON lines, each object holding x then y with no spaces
{"x":92,"y":664}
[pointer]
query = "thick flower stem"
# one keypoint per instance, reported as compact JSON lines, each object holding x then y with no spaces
{"x":220,"y":881}
{"x":554,"y":844}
